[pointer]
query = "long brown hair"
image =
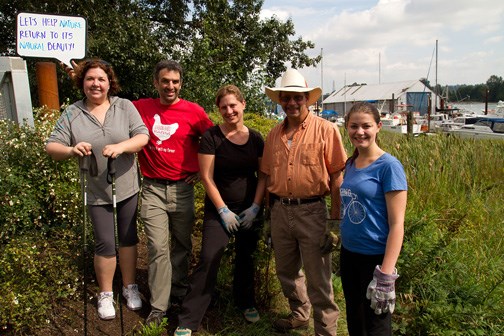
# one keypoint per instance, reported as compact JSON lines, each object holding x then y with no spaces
{"x":362,"y":107}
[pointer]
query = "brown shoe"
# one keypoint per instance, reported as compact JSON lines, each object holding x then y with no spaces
{"x":289,"y":323}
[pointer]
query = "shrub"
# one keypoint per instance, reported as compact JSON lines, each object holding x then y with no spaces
{"x":36,"y":193}
{"x":39,"y":213}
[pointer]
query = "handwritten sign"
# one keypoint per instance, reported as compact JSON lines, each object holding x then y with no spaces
{"x":51,"y":36}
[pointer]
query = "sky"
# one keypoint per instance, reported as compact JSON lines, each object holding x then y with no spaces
{"x":384,"y":41}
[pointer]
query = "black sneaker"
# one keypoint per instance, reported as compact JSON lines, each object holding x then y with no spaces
{"x":155,"y":317}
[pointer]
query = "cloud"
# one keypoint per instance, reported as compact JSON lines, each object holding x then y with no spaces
{"x":400,"y":35}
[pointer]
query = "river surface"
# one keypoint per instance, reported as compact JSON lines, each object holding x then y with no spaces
{"x":475,"y":107}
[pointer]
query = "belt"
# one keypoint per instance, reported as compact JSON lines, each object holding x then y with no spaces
{"x":295,"y":201}
{"x":163,"y":181}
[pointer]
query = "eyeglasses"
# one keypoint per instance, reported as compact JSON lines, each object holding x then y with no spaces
{"x":297,"y":98}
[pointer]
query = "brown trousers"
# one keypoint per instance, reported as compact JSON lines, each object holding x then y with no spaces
{"x":296,"y":231}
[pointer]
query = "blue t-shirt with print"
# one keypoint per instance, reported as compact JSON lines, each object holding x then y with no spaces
{"x":364,"y":225}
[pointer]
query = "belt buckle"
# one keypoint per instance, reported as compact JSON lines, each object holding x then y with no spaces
{"x":290,"y":201}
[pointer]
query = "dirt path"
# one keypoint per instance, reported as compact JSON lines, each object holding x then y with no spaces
{"x":68,"y":318}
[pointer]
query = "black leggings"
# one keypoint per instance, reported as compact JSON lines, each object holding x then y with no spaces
{"x":356,"y":273}
{"x":103,"y":225}
{"x":204,"y":279}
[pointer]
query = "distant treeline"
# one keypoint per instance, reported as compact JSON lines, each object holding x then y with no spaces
{"x":492,"y":90}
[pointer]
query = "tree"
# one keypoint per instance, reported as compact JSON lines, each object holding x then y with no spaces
{"x":217,"y":42}
{"x":495,"y":86}
{"x":230,"y":44}
{"x":119,"y":33}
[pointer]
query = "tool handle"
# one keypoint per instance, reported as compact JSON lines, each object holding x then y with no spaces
{"x":111,"y":167}
{"x":84,"y":163}
{"x":111,"y":170}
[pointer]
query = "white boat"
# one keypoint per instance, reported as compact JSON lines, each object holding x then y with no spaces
{"x":499,"y":109}
{"x":458,"y":122}
{"x":340,"y":121}
{"x":437,"y":119}
{"x":398,"y":126}
{"x":497,"y":112}
{"x":484,"y":128}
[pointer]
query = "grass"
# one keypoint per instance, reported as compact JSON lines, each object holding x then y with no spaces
{"x":451,"y":266}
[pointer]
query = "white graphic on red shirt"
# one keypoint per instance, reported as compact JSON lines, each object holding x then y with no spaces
{"x":163,"y":132}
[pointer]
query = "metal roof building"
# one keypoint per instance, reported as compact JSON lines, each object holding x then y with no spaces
{"x":387,"y":96}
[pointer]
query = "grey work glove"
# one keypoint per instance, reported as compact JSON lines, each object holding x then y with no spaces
{"x":329,"y":241}
{"x":229,"y":219}
{"x":381,"y":291}
{"x":247,"y":216}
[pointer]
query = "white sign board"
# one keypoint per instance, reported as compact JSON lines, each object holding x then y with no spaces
{"x":51,"y":36}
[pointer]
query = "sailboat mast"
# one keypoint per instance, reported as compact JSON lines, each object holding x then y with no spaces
{"x":435,"y":93}
{"x":436,"y":88}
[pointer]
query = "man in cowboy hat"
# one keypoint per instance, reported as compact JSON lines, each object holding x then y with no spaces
{"x":303,"y":159}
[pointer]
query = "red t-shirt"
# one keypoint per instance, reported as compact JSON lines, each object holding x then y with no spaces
{"x":172,"y":151}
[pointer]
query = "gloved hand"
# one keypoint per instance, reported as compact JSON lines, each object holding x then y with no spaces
{"x":229,"y":219}
{"x":247,"y":216}
{"x":381,"y":291}
{"x":329,"y":241}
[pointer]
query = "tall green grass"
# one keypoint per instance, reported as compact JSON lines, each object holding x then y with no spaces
{"x":452,"y":263}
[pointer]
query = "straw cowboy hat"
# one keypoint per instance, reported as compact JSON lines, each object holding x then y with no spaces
{"x":293,"y":81}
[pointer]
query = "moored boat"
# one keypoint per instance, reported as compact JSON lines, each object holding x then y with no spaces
{"x":484,"y":128}
{"x":398,"y":126}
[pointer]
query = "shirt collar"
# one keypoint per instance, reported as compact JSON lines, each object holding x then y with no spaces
{"x":305,"y":122}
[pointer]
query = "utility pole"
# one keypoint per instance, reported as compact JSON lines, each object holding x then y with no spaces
{"x":322,"y":78}
{"x":344,"y":94}
{"x":379,"y":68}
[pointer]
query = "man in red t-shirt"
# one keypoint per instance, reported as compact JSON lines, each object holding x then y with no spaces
{"x":169,"y":165}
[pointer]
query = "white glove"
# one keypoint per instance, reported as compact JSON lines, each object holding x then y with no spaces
{"x":381,"y":291}
{"x":229,"y":219}
{"x":247,"y":216}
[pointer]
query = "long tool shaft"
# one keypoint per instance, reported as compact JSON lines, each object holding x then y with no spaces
{"x":84,"y":170}
{"x":111,"y":173}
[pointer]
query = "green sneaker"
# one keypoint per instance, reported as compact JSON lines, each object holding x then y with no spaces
{"x":181,"y":331}
{"x":251,"y":315}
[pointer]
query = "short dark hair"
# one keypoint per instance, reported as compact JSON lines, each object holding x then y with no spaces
{"x":84,"y":66}
{"x":169,"y":65}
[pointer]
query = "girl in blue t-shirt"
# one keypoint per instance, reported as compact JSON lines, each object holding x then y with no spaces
{"x":373,"y":201}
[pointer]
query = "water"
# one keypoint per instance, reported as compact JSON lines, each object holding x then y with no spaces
{"x":476,"y":107}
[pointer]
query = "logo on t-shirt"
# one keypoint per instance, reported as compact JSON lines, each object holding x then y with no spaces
{"x":353,"y":208}
{"x":163,"y":132}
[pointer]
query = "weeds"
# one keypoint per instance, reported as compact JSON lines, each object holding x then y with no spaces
{"x":451,"y":266}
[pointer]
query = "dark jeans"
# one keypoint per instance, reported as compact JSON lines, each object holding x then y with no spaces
{"x":202,"y":282}
{"x":356,"y":273}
